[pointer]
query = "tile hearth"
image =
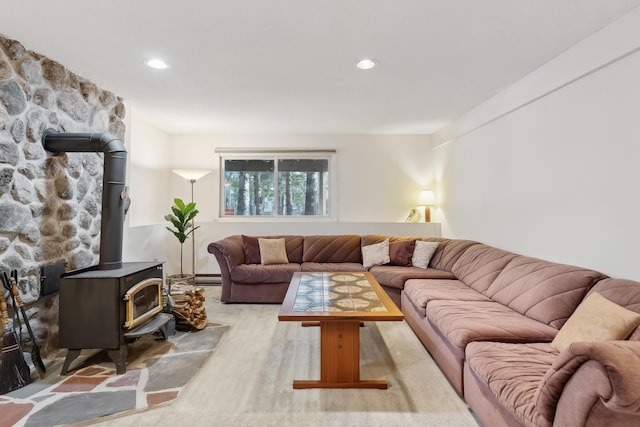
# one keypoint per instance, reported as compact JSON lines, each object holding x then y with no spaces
{"x":156,"y":373}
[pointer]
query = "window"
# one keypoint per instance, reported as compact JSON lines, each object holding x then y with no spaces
{"x":276,"y":185}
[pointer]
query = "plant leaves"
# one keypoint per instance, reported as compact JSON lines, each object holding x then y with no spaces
{"x":181,"y":218}
{"x":179,"y":203}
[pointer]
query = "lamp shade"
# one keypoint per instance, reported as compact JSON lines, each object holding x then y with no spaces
{"x":426,"y":198}
{"x":191,"y":174}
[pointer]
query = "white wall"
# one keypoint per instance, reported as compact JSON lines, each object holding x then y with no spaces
{"x":149,"y":174}
{"x":546,"y":168}
{"x":148,"y":180}
{"x":379,"y":178}
{"x":549,"y":167}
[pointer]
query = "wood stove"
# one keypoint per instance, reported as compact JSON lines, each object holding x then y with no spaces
{"x":106,"y":309}
{"x":109,"y":304}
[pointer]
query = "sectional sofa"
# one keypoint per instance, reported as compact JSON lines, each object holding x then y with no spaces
{"x":526,"y":342}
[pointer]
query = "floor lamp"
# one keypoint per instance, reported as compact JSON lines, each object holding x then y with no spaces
{"x":192,"y":175}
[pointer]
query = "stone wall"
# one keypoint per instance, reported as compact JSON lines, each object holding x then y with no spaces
{"x":49,"y":204}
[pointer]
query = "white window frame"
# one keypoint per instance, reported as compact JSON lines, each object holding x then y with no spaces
{"x":279,"y":154}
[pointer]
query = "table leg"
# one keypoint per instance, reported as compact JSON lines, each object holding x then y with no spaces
{"x":340,"y":358}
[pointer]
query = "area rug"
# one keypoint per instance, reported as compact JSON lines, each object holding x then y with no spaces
{"x":248,"y":380}
{"x":156,"y":373}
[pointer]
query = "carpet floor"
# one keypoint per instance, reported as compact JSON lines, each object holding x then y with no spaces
{"x":248,"y":379}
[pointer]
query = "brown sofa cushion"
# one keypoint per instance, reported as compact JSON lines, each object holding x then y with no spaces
{"x":480,"y":264}
{"x":448,"y":252}
{"x":332,"y":266}
{"x":465,"y":321}
{"x":513,"y":373}
{"x":370,"y":239}
{"x":423,"y":291}
{"x":395,"y":277}
{"x":342,"y":248}
{"x":621,"y":291}
{"x":401,"y":252}
{"x":251,"y":249}
{"x":542,"y":290}
{"x":295,"y":246}
{"x":257,"y":273}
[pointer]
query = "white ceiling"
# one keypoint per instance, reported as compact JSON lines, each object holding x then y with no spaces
{"x":288,"y":66}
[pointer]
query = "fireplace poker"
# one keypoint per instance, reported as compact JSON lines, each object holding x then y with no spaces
{"x":14,"y":372}
{"x":16,"y":318}
{"x":35,"y":351}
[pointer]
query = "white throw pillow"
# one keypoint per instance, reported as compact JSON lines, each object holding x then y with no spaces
{"x":376,"y":254}
{"x":422,"y":253}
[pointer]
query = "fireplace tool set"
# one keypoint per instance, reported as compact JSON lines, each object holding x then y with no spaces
{"x":14,"y":371}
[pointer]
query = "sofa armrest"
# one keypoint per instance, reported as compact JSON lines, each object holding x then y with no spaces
{"x":229,"y":253}
{"x":588,"y":374}
{"x":231,"y":250}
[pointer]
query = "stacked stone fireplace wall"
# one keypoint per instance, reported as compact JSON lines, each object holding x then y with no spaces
{"x":49,"y":204}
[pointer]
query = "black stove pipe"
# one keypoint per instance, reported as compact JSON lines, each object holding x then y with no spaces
{"x":114,"y":191}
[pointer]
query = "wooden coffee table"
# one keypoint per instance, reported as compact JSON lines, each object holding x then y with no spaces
{"x":338,"y":303}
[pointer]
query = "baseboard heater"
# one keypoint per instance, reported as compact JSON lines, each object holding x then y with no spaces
{"x":209,"y":279}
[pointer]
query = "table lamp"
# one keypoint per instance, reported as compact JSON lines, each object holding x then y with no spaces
{"x":427,"y":199}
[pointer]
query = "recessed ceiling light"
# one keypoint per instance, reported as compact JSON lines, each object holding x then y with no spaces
{"x":156,"y":63}
{"x":366,"y":64}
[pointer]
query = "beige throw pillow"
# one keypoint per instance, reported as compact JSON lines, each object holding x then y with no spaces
{"x":376,"y":254}
{"x":422,"y":253}
{"x":273,"y":251}
{"x":596,"y":319}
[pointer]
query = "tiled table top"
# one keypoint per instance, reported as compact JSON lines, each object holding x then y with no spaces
{"x":337,"y":292}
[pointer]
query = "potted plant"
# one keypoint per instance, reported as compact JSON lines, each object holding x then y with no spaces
{"x":181,"y":217}
{"x":185,"y":299}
